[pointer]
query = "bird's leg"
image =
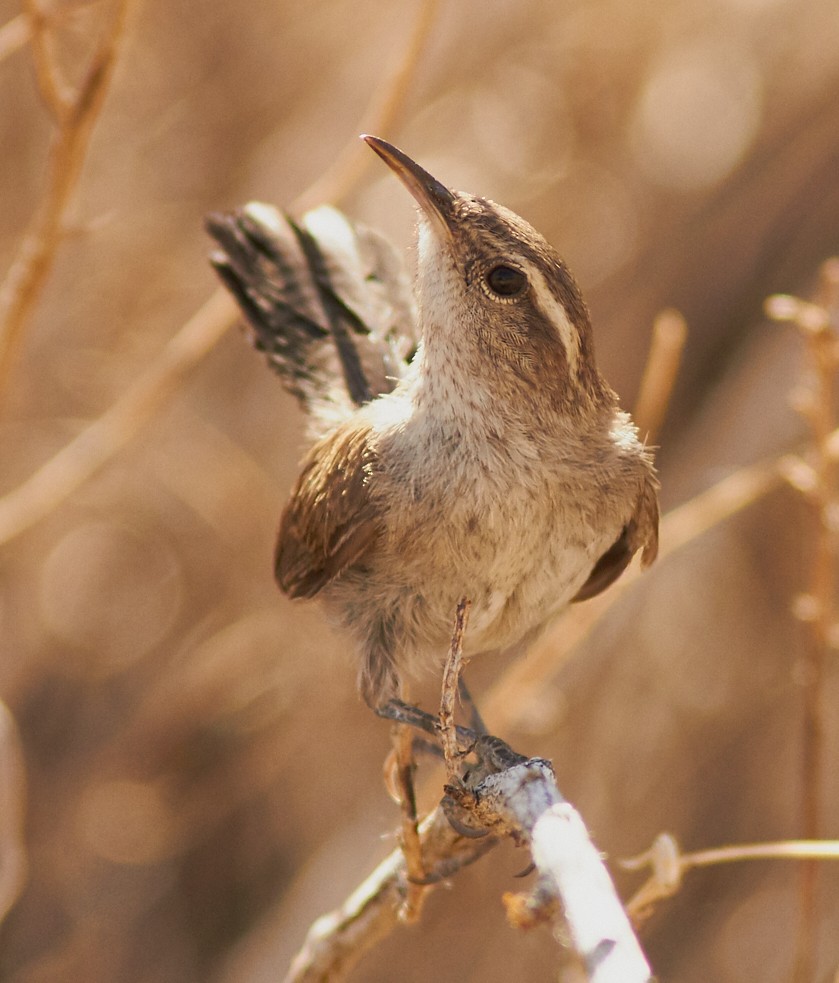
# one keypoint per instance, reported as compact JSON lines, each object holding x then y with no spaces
{"x":448,"y":696}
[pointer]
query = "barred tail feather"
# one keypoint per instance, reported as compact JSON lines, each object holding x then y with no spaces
{"x":328,"y":302}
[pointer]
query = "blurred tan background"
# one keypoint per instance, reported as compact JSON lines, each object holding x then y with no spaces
{"x":201,"y":778}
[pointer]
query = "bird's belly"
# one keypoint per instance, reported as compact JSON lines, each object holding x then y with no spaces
{"x":516,"y":570}
{"x":504,"y":612}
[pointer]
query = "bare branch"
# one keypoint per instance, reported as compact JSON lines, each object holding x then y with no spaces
{"x":76,"y":116}
{"x":62,"y":474}
{"x":505,"y":795}
{"x":816,"y":402}
{"x":56,"y":94}
{"x":660,"y":373}
{"x":14,"y":34}
{"x":404,"y":764}
{"x":337,"y":941}
{"x":668,"y":864}
{"x":13,"y":861}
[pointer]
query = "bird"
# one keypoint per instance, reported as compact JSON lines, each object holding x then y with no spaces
{"x":464,"y":443}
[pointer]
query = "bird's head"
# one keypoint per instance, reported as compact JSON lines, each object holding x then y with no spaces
{"x":486,"y":276}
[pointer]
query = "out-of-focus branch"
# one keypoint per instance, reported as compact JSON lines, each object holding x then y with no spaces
{"x":13,"y":862}
{"x":17,"y":33}
{"x":75,"y":113}
{"x":97,"y":443}
{"x":660,"y":373}
{"x":504,"y":795}
{"x":337,"y":941}
{"x":400,"y":771}
{"x":14,"y":34}
{"x":668,"y":865}
{"x":79,"y":460}
{"x":58,"y":97}
{"x":816,"y":401}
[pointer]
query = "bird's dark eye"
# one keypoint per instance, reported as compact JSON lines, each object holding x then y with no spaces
{"x":506,"y":281}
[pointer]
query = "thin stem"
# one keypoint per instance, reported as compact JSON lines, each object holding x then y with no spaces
{"x":669,"y":864}
{"x":660,"y":373}
{"x":14,"y":34}
{"x":813,"y":321}
{"x":405,"y":763}
{"x":75,"y":115}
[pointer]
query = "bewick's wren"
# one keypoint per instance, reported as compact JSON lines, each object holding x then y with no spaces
{"x":493,"y":463}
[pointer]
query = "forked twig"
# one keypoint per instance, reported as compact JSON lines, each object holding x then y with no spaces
{"x":58,"y":97}
{"x":405,"y":767}
{"x":668,"y":865}
{"x":337,"y":941}
{"x":75,"y":114}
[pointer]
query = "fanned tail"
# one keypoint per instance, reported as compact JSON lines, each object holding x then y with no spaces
{"x":328,"y":301}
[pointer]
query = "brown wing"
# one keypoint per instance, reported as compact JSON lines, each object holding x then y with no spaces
{"x":330,"y":521}
{"x":641,"y":532}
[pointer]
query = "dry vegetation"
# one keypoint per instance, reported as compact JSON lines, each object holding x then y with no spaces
{"x":187,"y":777}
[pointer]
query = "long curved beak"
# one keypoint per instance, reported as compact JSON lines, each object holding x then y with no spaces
{"x":435,"y":199}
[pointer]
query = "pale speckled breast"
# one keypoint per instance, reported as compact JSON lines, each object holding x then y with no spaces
{"x":519,"y":545}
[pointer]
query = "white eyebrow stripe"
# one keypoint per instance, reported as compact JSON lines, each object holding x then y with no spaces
{"x":556,"y":314}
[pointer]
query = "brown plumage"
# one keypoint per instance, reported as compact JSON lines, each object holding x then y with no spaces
{"x":330,"y":521}
{"x":490,"y":460}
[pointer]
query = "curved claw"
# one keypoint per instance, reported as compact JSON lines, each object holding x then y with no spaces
{"x":470,"y":832}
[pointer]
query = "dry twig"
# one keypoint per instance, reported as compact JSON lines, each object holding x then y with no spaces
{"x":668,"y":864}
{"x":404,"y":764}
{"x":660,"y":373}
{"x":62,"y":474}
{"x":817,"y":481}
{"x":14,"y":34}
{"x":337,"y":941}
{"x":505,"y":794}
{"x":13,"y":862}
{"x":75,"y":113}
